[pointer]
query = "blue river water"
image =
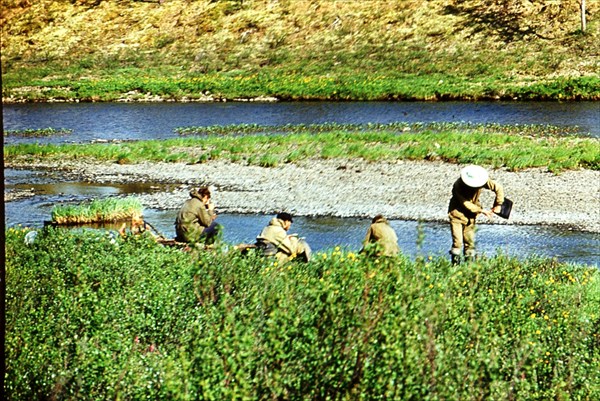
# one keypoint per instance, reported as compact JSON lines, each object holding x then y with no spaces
{"x":325,"y":233}
{"x":134,"y":121}
{"x":131,"y":121}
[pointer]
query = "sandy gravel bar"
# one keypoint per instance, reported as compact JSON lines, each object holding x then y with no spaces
{"x":409,"y":190}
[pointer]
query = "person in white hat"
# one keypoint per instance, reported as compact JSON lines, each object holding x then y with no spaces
{"x":464,"y":208}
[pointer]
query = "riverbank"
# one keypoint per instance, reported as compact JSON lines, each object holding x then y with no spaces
{"x":409,"y":190}
{"x":210,"y":50}
{"x":276,"y":86}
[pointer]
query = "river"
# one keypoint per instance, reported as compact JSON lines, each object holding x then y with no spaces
{"x":134,"y":121}
{"x":131,"y":121}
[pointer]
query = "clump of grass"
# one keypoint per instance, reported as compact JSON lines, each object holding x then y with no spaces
{"x":39,"y":132}
{"x":268,"y":161}
{"x":97,"y":211}
{"x":398,"y":127}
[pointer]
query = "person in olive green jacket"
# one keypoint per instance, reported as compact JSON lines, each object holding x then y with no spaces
{"x":382,"y":236}
{"x":195,"y":222}
{"x":275,"y":241}
{"x":464,"y":208}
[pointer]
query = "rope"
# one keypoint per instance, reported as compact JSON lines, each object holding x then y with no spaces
{"x":155,"y":230}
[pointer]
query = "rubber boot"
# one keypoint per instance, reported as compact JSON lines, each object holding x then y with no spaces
{"x":455,"y":256}
{"x":470,"y":256}
{"x":455,"y":259}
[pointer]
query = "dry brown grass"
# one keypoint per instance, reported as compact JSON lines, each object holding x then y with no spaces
{"x":531,"y":39}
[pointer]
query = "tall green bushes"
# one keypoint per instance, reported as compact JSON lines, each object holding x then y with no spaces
{"x":92,"y":316}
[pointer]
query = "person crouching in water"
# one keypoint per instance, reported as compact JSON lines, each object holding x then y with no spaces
{"x":464,"y":208}
{"x":382,"y":237}
{"x":137,"y":227}
{"x":275,"y":241}
{"x":195,"y":222}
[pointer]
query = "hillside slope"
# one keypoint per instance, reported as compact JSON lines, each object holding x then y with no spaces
{"x":486,"y":43}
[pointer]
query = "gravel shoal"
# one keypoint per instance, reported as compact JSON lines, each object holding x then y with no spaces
{"x":409,"y":190}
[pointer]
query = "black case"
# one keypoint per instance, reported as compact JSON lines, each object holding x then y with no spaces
{"x":505,"y":208}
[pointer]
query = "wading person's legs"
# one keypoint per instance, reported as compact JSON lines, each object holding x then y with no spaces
{"x":469,"y":239}
{"x":456,"y":229}
{"x":211,"y":233}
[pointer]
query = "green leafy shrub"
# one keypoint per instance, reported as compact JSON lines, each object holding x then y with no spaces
{"x":94,"y":316}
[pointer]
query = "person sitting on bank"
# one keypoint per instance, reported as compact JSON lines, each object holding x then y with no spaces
{"x":195,"y":222}
{"x":381,"y":237}
{"x":464,"y":208}
{"x":275,"y":241}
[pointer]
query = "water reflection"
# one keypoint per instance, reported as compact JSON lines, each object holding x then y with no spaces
{"x":89,"y":189}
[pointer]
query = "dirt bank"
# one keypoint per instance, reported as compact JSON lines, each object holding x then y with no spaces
{"x":400,"y":190}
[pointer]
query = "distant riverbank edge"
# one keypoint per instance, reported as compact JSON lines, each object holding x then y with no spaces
{"x":272,"y":88}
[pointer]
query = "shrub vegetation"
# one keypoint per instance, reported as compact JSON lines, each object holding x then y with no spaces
{"x":90,"y":316}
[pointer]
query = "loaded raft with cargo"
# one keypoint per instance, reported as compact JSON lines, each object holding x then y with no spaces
{"x":124,"y":215}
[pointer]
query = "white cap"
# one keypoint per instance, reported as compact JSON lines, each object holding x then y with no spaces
{"x":474,"y":176}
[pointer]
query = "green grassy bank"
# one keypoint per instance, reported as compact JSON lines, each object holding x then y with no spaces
{"x":90,"y":316}
{"x":513,"y":147}
{"x":297,"y":86}
{"x":94,"y":50}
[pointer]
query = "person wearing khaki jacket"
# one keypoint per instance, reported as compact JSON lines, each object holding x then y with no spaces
{"x":465,"y":206}
{"x":383,"y":235}
{"x":275,"y":241}
{"x":195,"y":221}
